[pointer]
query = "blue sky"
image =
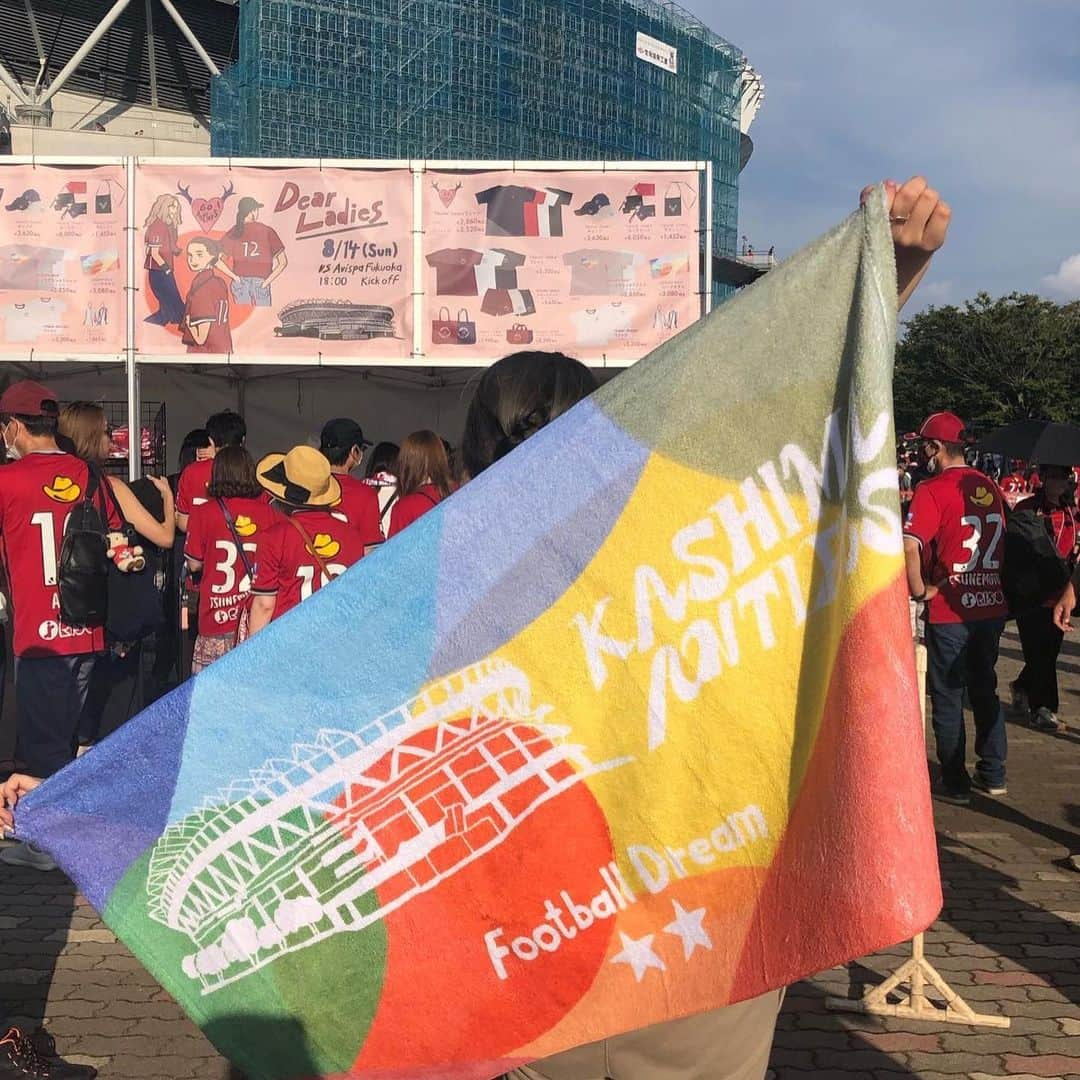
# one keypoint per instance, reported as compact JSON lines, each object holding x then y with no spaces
{"x":982,"y":98}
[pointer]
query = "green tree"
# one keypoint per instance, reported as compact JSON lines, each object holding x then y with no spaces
{"x":991,"y":362}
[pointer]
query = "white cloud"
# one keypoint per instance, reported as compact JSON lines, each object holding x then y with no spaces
{"x":977,"y":97}
{"x":934,"y":292}
{"x":1066,"y":281}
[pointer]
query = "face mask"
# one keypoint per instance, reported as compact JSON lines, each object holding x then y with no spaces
{"x":12,"y":453}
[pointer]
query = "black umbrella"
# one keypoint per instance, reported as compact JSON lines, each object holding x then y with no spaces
{"x":1044,"y":441}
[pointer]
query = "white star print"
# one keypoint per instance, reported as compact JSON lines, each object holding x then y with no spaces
{"x":638,"y":953}
{"x":688,"y":926}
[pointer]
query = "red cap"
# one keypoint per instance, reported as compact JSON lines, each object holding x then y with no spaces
{"x":27,"y":398}
{"x":943,"y":427}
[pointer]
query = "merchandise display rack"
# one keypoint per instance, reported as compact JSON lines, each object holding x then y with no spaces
{"x":151,"y":436}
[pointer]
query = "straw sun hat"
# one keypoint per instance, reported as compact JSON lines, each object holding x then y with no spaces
{"x":302,"y":477}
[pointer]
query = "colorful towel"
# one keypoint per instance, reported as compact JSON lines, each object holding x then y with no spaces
{"x":624,"y":730}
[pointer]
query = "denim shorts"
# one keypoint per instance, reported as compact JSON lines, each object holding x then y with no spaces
{"x":251,"y":290}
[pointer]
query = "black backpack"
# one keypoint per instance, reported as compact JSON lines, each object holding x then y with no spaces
{"x":1033,"y":571}
{"x":137,"y":600}
{"x":93,"y":591}
{"x":83,"y":571}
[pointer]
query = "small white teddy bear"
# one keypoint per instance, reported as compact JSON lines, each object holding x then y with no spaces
{"x":129,"y":558}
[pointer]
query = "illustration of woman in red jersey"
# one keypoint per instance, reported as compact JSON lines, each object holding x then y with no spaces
{"x":205,"y":326}
{"x":256,"y":256}
{"x":159,"y":241}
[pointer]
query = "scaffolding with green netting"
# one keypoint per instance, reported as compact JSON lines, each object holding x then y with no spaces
{"x":495,"y":80}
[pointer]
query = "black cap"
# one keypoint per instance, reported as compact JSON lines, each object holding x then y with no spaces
{"x":342,"y":434}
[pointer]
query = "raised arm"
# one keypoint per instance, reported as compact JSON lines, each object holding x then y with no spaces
{"x":157,"y":532}
{"x":920,"y":218}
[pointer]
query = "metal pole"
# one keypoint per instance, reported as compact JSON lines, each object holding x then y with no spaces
{"x":134,"y":406}
{"x":150,"y":54}
{"x":12,"y":84}
{"x":100,"y":31}
{"x":708,"y":236}
{"x":193,"y":41}
{"x":34,"y":32}
{"x":418,"y":177}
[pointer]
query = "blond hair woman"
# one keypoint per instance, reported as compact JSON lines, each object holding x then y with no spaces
{"x":160,"y":234}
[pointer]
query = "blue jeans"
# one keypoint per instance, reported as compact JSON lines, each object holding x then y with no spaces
{"x":51,"y":695}
{"x":964,"y":656}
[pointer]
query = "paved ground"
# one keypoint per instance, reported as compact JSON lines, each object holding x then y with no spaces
{"x":1008,"y":941}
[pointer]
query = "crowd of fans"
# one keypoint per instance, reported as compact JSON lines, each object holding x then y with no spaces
{"x":218,"y":550}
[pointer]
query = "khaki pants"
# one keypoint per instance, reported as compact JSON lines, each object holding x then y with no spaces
{"x":732,"y":1043}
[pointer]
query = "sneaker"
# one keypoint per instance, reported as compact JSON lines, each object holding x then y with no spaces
{"x":45,"y":1046}
{"x":980,"y":784}
{"x":1044,"y":720}
{"x":1019,"y":698}
{"x":1073,"y":861}
{"x":27,"y":855}
{"x":19,"y":1060}
{"x":949,"y":795}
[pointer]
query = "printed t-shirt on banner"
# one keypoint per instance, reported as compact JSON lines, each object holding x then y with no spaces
{"x":410,"y":507}
{"x":224,"y":580}
{"x":597,"y":327}
{"x":252,"y":253}
{"x":63,"y":260}
{"x":600,"y":273}
{"x":191,"y":488}
{"x":289,"y":571}
{"x":513,"y":210}
{"x":584,"y":239}
{"x":28,"y":320}
{"x":208,"y":305}
{"x":455,"y":270}
{"x":360,"y":504}
{"x":958,"y":518}
{"x":37,"y":493}
{"x":160,"y":238}
{"x":463,"y":272}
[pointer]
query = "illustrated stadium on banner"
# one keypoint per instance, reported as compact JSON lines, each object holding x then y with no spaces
{"x":382,"y":813}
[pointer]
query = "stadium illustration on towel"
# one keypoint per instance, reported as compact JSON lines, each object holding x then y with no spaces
{"x":395,"y":807}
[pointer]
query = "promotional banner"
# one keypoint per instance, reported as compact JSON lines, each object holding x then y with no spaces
{"x":615,"y":751}
{"x":600,"y":265}
{"x":299,"y":261}
{"x":63,"y":259}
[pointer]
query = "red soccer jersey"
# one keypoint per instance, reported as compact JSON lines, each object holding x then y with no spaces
{"x":289,"y":570}
{"x":160,"y":236}
{"x":208,"y":304}
{"x":360,"y":504}
{"x":36,"y":495}
{"x":252,"y":253}
{"x":191,"y":488}
{"x":1013,"y":487}
{"x":224,"y":580}
{"x":1061,"y":523}
{"x":410,"y":507}
{"x":959,"y":520}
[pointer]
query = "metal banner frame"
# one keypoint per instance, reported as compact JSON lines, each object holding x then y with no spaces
{"x":133,"y":360}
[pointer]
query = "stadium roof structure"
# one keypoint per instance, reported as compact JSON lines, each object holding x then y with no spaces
{"x":160,"y":53}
